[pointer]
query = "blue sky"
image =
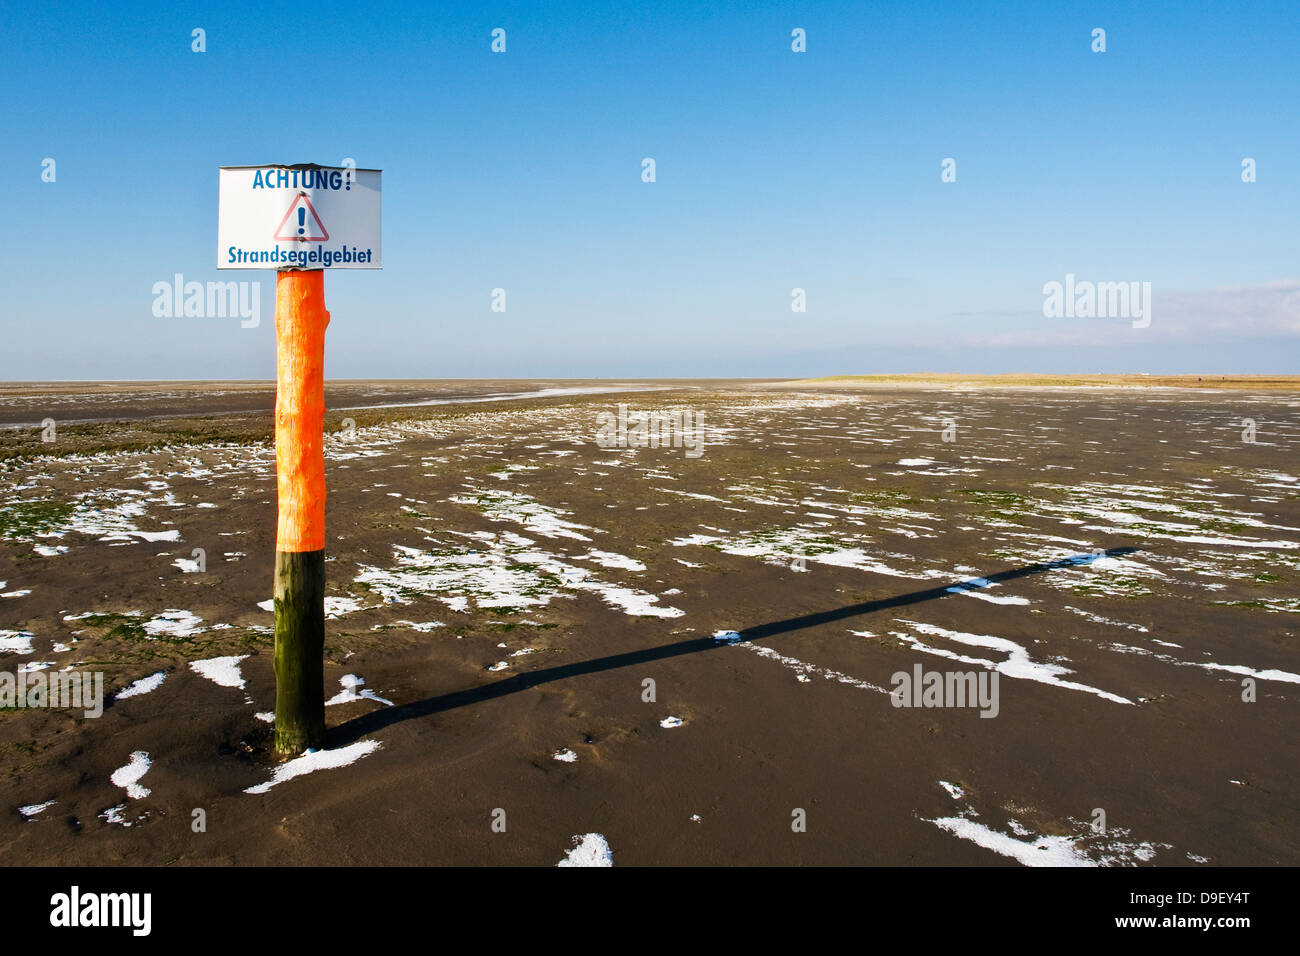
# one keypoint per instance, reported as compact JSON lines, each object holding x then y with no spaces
{"x":775,"y":170}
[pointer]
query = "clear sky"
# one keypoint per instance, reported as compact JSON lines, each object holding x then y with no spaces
{"x":775,"y":170}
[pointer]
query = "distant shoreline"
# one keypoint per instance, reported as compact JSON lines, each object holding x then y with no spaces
{"x":1031,"y":380}
{"x":1035,"y":379}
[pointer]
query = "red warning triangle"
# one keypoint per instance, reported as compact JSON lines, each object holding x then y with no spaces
{"x":301,"y":223}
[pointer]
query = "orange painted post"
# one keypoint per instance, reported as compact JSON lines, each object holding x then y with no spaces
{"x":299,"y":220}
{"x":300,"y":321}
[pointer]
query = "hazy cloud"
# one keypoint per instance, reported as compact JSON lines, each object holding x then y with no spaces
{"x":1214,"y":316}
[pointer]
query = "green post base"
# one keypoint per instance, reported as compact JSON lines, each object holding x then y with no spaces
{"x":299,"y":651}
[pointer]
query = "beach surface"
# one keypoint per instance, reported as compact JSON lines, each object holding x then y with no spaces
{"x":545,"y":644}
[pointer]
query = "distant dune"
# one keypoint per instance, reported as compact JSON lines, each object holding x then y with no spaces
{"x":1030,"y":380}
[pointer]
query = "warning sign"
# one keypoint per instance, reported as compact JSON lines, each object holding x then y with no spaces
{"x":307,"y":229}
{"x":299,"y":217}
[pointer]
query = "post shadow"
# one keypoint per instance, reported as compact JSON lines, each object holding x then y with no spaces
{"x":358,"y":727}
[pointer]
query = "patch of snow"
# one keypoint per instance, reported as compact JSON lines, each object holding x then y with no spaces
{"x":221,"y":670}
{"x":314,"y":760}
{"x":128,"y":777}
{"x":174,"y":623}
{"x":16,"y":642}
{"x":589,"y":849}
{"x":350,"y":692}
{"x":143,"y":686}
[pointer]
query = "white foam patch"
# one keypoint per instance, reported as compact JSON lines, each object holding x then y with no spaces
{"x":972,"y":588}
{"x":589,"y":849}
{"x":116,"y":815}
{"x":1038,"y":851}
{"x":1018,"y":663}
{"x":221,"y":670}
{"x":174,"y":623}
{"x":1098,"y":619}
{"x":1085,"y":849}
{"x":503,"y":396}
{"x":509,"y":572}
{"x":1123,"y":506}
{"x":16,"y":642}
{"x":111,"y":517}
{"x":505,"y":505}
{"x":143,"y":686}
{"x":783,"y":546}
{"x":504,"y":578}
{"x":691,"y":494}
{"x":802,"y":669}
{"x":629,"y":600}
{"x":351,"y":691}
{"x":609,"y":559}
{"x":505,"y":473}
{"x":128,"y":777}
{"x":314,"y":760}
{"x":1271,"y":674}
{"x":336,"y":607}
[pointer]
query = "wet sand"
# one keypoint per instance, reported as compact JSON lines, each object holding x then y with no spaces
{"x":1122,"y":559}
{"x":24,"y":405}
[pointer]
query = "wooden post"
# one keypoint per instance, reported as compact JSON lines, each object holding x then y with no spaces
{"x":300,"y":321}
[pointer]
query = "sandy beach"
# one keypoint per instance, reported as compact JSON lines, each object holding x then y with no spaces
{"x":502,"y":585}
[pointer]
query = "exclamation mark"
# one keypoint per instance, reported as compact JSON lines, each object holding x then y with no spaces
{"x":302,"y":221}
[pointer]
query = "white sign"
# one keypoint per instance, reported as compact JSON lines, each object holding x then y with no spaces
{"x":299,"y":217}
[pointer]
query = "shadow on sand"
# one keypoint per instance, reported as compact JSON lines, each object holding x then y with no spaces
{"x":359,"y":727}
